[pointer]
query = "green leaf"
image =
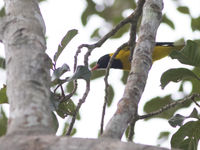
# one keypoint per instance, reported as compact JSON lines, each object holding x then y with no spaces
{"x":124,"y":77}
{"x":187,"y":136}
{"x":110,"y":95}
{"x":127,"y":132}
{"x":95,"y":34}
{"x":59,"y":81}
{"x":176,"y":120}
{"x":3,"y":96}
{"x":189,"y":55}
{"x":42,"y":0}
{"x":184,"y":10}
{"x":54,"y":99}
{"x":70,"y":87}
{"x":194,"y":114}
{"x":164,"y":135}
{"x":66,"y":39}
{"x":82,"y":72}
{"x":194,"y":83}
{"x":55,"y":121}
{"x":2,"y":12}
{"x":66,"y":108}
{"x":159,"y":102}
{"x":66,"y":126}
{"x":2,"y":63}
{"x":90,"y":10}
{"x":59,"y":72}
{"x":195,"y":23}
{"x":3,"y":123}
{"x":176,"y":75}
{"x":167,"y":21}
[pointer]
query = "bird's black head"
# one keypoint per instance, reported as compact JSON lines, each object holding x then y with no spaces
{"x":102,"y":63}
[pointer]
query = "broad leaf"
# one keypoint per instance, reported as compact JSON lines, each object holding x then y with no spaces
{"x":167,"y":21}
{"x":82,"y":72}
{"x":193,"y":81}
{"x":66,"y":108}
{"x":110,"y":95}
{"x":176,"y":75}
{"x":2,"y":63}
{"x":176,"y":120}
{"x":187,"y":136}
{"x":124,"y":77}
{"x":3,"y":96}
{"x":189,"y":55}
{"x":55,"y":121}
{"x":54,"y":99}
{"x":184,"y":10}
{"x":66,"y":126}
{"x":195,"y":24}
{"x":194,"y":114}
{"x":2,"y":12}
{"x":59,"y":81}
{"x":164,"y":135}
{"x":159,"y":102}
{"x":66,"y":39}
{"x":59,"y":72}
{"x":3,"y":122}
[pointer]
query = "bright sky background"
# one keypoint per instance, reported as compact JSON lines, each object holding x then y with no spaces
{"x":63,"y":15}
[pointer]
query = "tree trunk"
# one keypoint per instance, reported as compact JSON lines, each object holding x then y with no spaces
{"x":27,"y":67}
{"x":28,"y":82}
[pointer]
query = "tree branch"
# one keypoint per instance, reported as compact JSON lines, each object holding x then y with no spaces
{"x":169,"y":106}
{"x":141,"y":64}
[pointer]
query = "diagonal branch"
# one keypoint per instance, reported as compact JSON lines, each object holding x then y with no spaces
{"x":141,"y":64}
{"x":169,"y":106}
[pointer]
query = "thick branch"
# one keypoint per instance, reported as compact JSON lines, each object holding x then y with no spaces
{"x":67,"y":143}
{"x":27,"y":66}
{"x":141,"y":64}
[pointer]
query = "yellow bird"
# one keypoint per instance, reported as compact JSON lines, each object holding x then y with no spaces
{"x":121,"y":61}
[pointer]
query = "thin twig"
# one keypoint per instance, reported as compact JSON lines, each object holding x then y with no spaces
{"x":107,"y":85}
{"x":164,"y":108}
{"x":91,"y":47}
{"x":81,"y":101}
{"x":134,"y":22}
{"x":67,"y":97}
{"x":193,"y":99}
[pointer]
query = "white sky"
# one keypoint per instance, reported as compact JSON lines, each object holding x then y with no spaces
{"x":63,"y":15}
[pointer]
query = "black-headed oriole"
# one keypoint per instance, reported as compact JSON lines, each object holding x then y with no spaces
{"x":121,"y":61}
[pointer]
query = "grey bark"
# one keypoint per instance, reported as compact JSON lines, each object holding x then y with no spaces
{"x":67,"y":143}
{"x":28,"y":82}
{"x":141,"y":64}
{"x":27,"y":68}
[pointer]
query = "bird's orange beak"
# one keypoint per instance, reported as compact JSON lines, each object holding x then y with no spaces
{"x":95,"y":67}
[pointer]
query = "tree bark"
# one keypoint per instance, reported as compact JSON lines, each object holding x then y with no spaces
{"x":28,"y":82}
{"x":140,"y":66}
{"x":27,"y":67}
{"x":67,"y":143}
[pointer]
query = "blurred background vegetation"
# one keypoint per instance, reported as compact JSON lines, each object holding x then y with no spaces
{"x":109,"y":14}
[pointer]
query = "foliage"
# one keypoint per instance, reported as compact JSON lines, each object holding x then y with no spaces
{"x":2,"y":63}
{"x":3,"y":97}
{"x":112,"y":12}
{"x":189,"y":55}
{"x":3,"y":122}
{"x":66,"y":39}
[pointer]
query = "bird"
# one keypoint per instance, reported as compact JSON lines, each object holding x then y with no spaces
{"x":121,"y":61}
